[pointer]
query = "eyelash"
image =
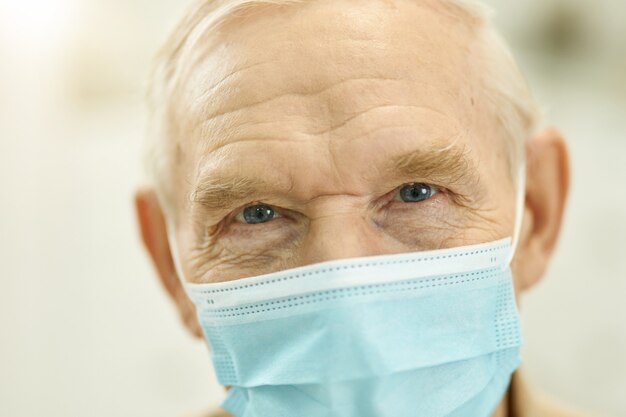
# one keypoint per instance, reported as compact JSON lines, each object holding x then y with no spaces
{"x":240,"y":212}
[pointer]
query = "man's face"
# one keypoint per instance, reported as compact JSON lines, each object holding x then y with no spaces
{"x":325,"y":131}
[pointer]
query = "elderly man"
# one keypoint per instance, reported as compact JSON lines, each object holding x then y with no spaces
{"x":347,"y":199}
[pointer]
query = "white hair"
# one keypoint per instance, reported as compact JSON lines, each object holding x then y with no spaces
{"x":505,"y":87}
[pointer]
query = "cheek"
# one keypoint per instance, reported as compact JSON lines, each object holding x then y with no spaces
{"x":244,"y":251}
{"x":440,"y":224}
{"x":423,"y":226}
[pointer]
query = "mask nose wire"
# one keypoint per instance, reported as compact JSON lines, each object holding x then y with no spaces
{"x":519,"y":209}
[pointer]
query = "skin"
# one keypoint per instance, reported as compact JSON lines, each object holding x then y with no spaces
{"x":324,"y":112}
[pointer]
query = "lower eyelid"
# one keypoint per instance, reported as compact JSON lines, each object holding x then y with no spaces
{"x":270,"y":233}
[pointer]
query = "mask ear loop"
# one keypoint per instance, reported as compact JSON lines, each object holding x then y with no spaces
{"x":171,"y":237}
{"x":519,"y":209}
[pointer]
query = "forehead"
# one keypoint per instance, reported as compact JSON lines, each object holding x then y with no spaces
{"x":338,"y":70}
{"x":313,"y":50}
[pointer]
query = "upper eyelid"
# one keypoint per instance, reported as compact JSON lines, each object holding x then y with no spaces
{"x":431,"y":184}
{"x":278,"y":209}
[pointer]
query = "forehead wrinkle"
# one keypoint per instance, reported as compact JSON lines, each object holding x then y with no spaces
{"x":308,"y":86}
{"x":341,"y":104}
{"x":272,"y":98}
{"x":206,"y":121}
{"x":428,"y":125}
{"x":238,"y":71}
{"x":306,"y":90}
{"x":358,"y":114}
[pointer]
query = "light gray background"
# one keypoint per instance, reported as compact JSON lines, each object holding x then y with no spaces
{"x":86,"y":329}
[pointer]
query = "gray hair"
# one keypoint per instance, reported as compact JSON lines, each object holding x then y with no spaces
{"x":505,"y":87}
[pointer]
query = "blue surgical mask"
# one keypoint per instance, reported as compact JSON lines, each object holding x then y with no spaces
{"x":434,"y":333}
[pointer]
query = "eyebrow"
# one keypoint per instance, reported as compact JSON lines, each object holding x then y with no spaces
{"x":449,"y":166}
{"x":222,"y":192}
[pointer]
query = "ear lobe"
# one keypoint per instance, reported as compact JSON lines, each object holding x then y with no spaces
{"x":153,"y":230}
{"x":547,"y":187}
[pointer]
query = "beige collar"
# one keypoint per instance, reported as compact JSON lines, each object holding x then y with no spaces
{"x":522,"y":402}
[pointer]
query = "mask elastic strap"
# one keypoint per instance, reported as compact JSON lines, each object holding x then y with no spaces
{"x":171,"y":237}
{"x":519,"y":209}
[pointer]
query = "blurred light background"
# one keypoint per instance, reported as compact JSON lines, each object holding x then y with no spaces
{"x":86,"y":330}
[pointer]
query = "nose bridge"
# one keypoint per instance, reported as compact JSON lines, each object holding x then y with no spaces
{"x":342,"y":235}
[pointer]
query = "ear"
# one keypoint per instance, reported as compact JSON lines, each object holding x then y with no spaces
{"x":155,"y":239}
{"x":547,"y":185}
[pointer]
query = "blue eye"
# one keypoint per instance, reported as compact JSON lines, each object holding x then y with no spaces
{"x":416,"y":192}
{"x":255,"y":214}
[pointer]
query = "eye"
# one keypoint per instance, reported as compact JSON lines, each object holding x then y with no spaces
{"x":416,"y":192}
{"x":257,"y":213}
